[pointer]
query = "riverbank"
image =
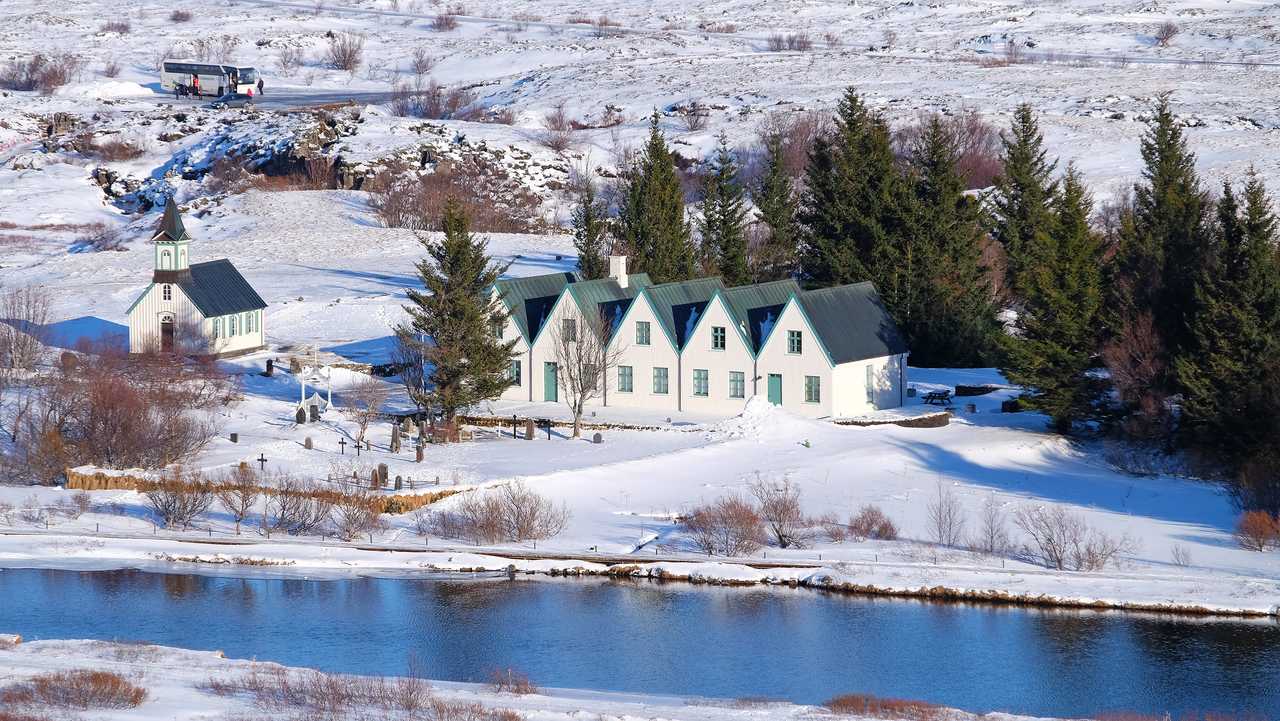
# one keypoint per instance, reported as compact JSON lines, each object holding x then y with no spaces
{"x":1202,"y":593}
{"x":183,"y":685}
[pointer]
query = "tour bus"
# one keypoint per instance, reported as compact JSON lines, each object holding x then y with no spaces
{"x":187,"y":77}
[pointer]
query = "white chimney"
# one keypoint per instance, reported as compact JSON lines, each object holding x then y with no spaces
{"x":618,"y":269}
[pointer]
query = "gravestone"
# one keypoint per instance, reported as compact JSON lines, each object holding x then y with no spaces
{"x":597,"y":438}
{"x":271,"y":368}
{"x":418,"y":454}
{"x":315,"y":413}
{"x":422,"y":429}
{"x":307,"y":443}
{"x":405,"y":424}
{"x":301,"y":416}
{"x":528,"y":429}
{"x":382,"y":473}
{"x":235,"y":437}
{"x":395,"y":439}
{"x":399,"y":483}
{"x":373,"y":479}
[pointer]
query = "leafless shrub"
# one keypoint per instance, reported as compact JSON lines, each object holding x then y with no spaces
{"x":494,"y":200}
{"x":238,"y":492}
{"x":1181,"y":556}
{"x":32,"y":510}
{"x":346,"y":51}
{"x":120,"y":27}
{"x":889,"y":39}
{"x":444,"y":22}
{"x":605,"y":27}
{"x":81,"y":501}
{"x":993,"y":530}
{"x":520,"y":21}
{"x":225,"y":47}
{"x":113,"y":150}
{"x":40,"y":72}
{"x":296,"y":508}
{"x":509,"y":680}
{"x":1166,"y":32}
{"x":24,"y":316}
{"x":1135,"y":361}
{"x":557,"y":130}
{"x":779,"y":508}
{"x":420,"y":61}
{"x":867,"y":706}
{"x":777,"y":42}
{"x":432,"y":101}
{"x":729,"y":526}
{"x":1257,"y":531}
{"x":82,"y":689}
{"x":363,"y":402}
{"x":180,"y":16}
{"x":871,"y":522}
{"x":833,"y":40}
{"x":946,"y":518}
{"x":799,"y":42}
{"x":1064,"y":541}
{"x":797,"y":132}
{"x":833,"y":529}
{"x":510,"y":513}
{"x":179,"y":498}
{"x":6,"y":513}
{"x":111,"y":68}
{"x":356,"y":514}
{"x":725,"y":28}
{"x":695,"y":116}
{"x":290,"y":58}
{"x":977,"y":145}
{"x":202,"y":48}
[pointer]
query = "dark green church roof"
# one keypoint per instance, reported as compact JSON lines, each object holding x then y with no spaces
{"x":171,"y":228}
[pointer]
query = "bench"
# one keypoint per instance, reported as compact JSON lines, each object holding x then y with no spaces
{"x":940,"y":398}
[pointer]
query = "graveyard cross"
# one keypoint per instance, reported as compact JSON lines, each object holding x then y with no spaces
{"x":262,"y":461}
{"x":357,"y":449}
{"x":342,"y":445}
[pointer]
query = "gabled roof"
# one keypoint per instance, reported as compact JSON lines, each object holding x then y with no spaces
{"x":529,"y":299}
{"x":217,"y":288}
{"x":757,"y":307}
{"x":607,"y":297}
{"x":171,"y":229}
{"x":679,"y":305}
{"x":852,"y":322}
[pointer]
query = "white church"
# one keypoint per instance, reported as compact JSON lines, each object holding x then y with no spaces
{"x":194,"y":308}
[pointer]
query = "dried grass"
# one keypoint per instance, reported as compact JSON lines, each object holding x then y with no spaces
{"x":886,"y":708}
{"x":80,"y":689}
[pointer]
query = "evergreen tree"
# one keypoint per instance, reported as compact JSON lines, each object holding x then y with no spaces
{"x":1051,"y":353}
{"x":590,"y":233}
{"x":949,"y":317}
{"x":724,"y":235}
{"x":1164,"y":246}
{"x":1235,"y":333}
{"x":774,"y":197}
{"x":1023,"y":195}
{"x":851,"y":211}
{"x":651,"y":222}
{"x":451,"y":325}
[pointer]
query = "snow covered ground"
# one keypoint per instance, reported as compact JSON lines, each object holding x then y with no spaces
{"x":177,"y":684}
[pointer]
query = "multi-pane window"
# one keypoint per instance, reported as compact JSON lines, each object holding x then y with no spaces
{"x":660,"y":381}
{"x":701,"y":382}
{"x":167,"y":291}
{"x":626,"y":379}
{"x":217,"y":327}
{"x":812,"y":389}
{"x":248,"y":321}
{"x":737,"y":384}
{"x":231,"y":325}
{"x":793,"y":341}
{"x":717,"y":337}
{"x":497,"y":329}
{"x":642,"y":332}
{"x":570,"y":331}
{"x":513,"y":373}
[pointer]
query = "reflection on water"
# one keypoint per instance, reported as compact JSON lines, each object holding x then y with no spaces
{"x":676,"y":639}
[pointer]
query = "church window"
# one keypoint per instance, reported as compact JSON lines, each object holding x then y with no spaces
{"x":166,"y":260}
{"x":217,"y":327}
{"x":167,"y":291}
{"x":231,"y":325}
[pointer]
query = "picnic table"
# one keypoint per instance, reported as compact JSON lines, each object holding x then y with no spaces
{"x":941,"y":398}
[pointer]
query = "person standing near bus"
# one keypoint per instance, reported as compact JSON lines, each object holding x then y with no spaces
{"x":259,"y":86}
{"x":195,"y":85}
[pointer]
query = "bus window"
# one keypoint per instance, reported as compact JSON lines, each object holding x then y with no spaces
{"x":248,"y":76}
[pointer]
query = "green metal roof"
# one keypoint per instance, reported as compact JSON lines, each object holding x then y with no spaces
{"x":679,"y":305}
{"x":217,"y":288}
{"x":852,"y":322}
{"x":757,"y":307}
{"x":529,"y":299}
{"x":171,"y":229}
{"x":607,"y":297}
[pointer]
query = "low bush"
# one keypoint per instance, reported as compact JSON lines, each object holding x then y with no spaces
{"x":121,"y":27}
{"x":729,"y":526}
{"x":180,"y":16}
{"x":42,"y":73}
{"x":114,"y":150}
{"x":444,"y":22}
{"x":493,"y":200}
{"x":81,"y":689}
{"x":509,"y":680}
{"x":99,"y":237}
{"x":1065,"y":541}
{"x":510,"y":513}
{"x":345,"y":51}
{"x":1257,"y":531}
{"x":886,"y":708}
{"x":871,"y":522}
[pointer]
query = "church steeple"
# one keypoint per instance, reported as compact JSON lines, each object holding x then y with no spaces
{"x":171,"y":242}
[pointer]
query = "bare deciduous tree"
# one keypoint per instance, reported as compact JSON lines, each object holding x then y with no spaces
{"x":1065,"y":541}
{"x":237,"y":493}
{"x":730,"y":526}
{"x":363,"y":402}
{"x":557,"y":132}
{"x":946,"y":518}
{"x":695,"y":116}
{"x":993,"y":533}
{"x":297,"y":508}
{"x":1166,"y":32}
{"x":179,"y":497}
{"x":355,"y":514}
{"x":779,"y":504}
{"x":510,"y":513}
{"x":421,"y":61}
{"x":584,"y":361}
{"x":346,"y":51}
{"x":871,"y":522}
{"x":24,"y":317}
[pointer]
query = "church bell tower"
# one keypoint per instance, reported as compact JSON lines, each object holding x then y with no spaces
{"x":171,"y":241}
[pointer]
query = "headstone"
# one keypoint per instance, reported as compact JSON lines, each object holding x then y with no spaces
{"x":295,"y":366}
{"x":422,"y":429}
{"x":405,"y":424}
{"x":399,"y":483}
{"x":235,"y":437}
{"x":597,"y":438}
{"x":306,"y":443}
{"x":382,"y":473}
{"x":528,"y":429}
{"x":373,"y":479}
{"x":418,"y":454}
{"x":301,"y":416}
{"x":315,"y":413}
{"x":395,"y":439}
{"x":271,"y":367}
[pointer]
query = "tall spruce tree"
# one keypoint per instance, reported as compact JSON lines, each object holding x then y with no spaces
{"x":1052,"y":351}
{"x":651,"y":220}
{"x":1023,"y":195}
{"x":951,"y":316}
{"x":775,"y":200}
{"x":590,"y":233}
{"x":451,"y":325}
{"x":1166,"y":242}
{"x":851,"y":211}
{"x":1235,"y":335}
{"x":723,"y":222}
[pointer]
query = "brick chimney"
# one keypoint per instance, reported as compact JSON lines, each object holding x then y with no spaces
{"x":618,"y":269}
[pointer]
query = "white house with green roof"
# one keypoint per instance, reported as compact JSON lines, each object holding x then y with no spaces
{"x":699,"y":346}
{"x":194,"y":308}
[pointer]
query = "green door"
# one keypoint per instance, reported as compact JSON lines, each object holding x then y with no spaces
{"x":775,"y":389}
{"x":549,"y":382}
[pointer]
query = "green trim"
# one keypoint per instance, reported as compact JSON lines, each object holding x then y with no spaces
{"x":644,"y":293}
{"x":728,"y":312}
{"x":550,"y":314}
{"x":793,"y":300}
{"x":139,"y":300}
